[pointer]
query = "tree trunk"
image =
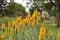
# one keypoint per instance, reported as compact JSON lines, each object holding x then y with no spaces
{"x":58,"y":18}
{"x":58,"y":12}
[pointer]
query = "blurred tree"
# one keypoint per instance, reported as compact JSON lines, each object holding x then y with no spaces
{"x":46,"y":5}
{"x":3,"y":5}
{"x":50,"y":9}
{"x":56,"y":3}
{"x":35,"y":4}
{"x":15,"y":9}
{"x":11,"y":8}
{"x":20,"y":10}
{"x":51,"y":6}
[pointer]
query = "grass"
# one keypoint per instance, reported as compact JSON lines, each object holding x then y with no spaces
{"x":25,"y":33}
{"x":5,"y":20}
{"x":55,"y":31}
{"x":28,"y":32}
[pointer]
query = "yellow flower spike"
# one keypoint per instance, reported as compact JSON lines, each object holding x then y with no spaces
{"x":28,"y":21}
{"x":9,"y":24}
{"x":33,"y":24}
{"x":35,"y":14}
{"x":31,"y":18}
{"x":42,"y":33}
{"x":20,"y":23}
{"x":25,"y":21}
{"x":15,"y":30}
{"x":37,"y":21}
{"x":13,"y":23}
{"x":8,"y":31}
{"x":2,"y":37}
{"x":20,"y":18}
{"x":3,"y":26}
{"x":16,"y":21}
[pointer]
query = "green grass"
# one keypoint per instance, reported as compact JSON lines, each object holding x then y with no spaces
{"x":28,"y":32}
{"x":55,"y":31}
{"x":25,"y":33}
{"x":5,"y":20}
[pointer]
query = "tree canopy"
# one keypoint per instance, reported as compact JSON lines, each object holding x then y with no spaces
{"x":13,"y":9}
{"x":46,"y":5}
